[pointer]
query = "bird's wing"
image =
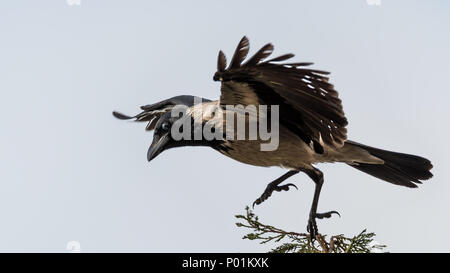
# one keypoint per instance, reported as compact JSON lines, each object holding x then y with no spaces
{"x":309,"y":105}
{"x":152,"y":112}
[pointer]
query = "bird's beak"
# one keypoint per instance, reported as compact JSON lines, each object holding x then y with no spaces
{"x":158,"y":145}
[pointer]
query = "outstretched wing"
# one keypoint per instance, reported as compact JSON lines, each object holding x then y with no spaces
{"x":152,"y":112}
{"x":309,"y":105}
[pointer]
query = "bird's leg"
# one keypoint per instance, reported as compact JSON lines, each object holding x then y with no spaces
{"x":317,"y":176}
{"x":273,"y":186}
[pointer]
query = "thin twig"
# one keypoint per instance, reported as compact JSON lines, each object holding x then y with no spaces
{"x":301,"y":242}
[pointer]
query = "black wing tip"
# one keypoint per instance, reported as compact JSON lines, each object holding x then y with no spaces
{"x":120,"y":115}
{"x":240,"y":53}
{"x":244,"y":40}
{"x":260,"y":55}
{"x":221,"y":61}
{"x":281,"y":58}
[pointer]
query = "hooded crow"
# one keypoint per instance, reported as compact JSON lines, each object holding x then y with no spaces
{"x":309,"y":122}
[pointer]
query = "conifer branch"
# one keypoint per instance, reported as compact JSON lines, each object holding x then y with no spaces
{"x":294,"y":242}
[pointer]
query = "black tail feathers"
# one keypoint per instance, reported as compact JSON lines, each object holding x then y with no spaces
{"x":400,"y":169}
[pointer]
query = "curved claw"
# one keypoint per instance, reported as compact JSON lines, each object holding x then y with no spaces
{"x":312,"y":225}
{"x":337,"y":213}
{"x":262,"y":198}
{"x":327,"y":214}
{"x":286,"y":187}
{"x":268,"y":192}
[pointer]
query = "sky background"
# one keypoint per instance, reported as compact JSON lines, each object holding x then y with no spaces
{"x":71,"y":172}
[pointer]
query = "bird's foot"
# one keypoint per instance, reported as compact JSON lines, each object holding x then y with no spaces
{"x":312,"y":225}
{"x":269,"y":190}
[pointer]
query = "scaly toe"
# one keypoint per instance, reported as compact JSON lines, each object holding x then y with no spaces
{"x":312,"y":228}
{"x":269,"y":190}
{"x":326,"y":214}
{"x":285,"y":187}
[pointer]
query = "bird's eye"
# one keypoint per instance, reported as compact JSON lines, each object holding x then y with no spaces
{"x":165,"y":126}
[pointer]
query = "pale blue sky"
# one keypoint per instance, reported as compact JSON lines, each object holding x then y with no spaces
{"x":70,"y":171}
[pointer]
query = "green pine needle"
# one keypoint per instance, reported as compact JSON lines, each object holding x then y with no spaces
{"x":293,"y":242}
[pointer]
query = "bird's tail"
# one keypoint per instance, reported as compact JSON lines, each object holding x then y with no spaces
{"x":400,"y":169}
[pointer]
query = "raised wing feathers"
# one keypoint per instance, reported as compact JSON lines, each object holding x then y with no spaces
{"x":240,"y":53}
{"x":221,"y":62}
{"x":309,"y":105}
{"x":152,"y":112}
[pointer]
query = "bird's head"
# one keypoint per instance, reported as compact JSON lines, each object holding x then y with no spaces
{"x":169,"y":119}
{"x":162,"y":136}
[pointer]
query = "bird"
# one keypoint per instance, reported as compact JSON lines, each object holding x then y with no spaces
{"x":311,"y":125}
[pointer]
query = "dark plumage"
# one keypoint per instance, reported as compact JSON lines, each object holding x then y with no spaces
{"x":312,"y":124}
{"x":310,"y":106}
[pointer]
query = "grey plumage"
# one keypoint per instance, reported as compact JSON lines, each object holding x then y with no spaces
{"x":312,"y":125}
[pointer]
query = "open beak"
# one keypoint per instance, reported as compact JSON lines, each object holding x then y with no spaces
{"x":158,"y":145}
